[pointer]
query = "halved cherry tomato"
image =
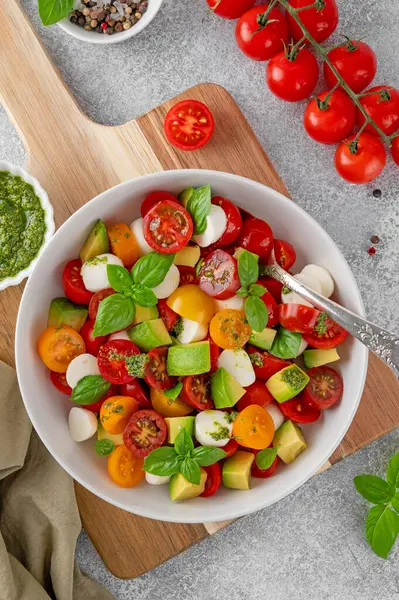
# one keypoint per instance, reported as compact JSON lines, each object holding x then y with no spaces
{"x":362,"y":163}
{"x":111,"y":360}
{"x":92,"y":343}
{"x":234,"y":222}
{"x":190,"y":302}
{"x":321,"y":23}
{"x":134,"y":389}
{"x":95,"y":301}
{"x":254,"y":427}
{"x":299,"y":410}
{"x":327,"y":334}
{"x":231,"y":447}
{"x":332,"y":120}
{"x":272,"y":308}
{"x":125,"y":469}
{"x":273,"y":286}
{"x":155,"y":373}
{"x":230,"y":9}
{"x":213,"y":480}
{"x":189,"y":125}
{"x":167,"y":407}
{"x":284,"y":253}
{"x":256,"y":236}
{"x":230,"y":329}
{"x":60,"y":382}
{"x":325,"y":387}
{"x":123,"y":243}
{"x":154,"y":198}
{"x":265,"y":365}
{"x":298,"y":317}
{"x":256,"y":393}
{"x":187,"y":275}
{"x":145,"y":431}
{"x":355,"y":61}
{"x":73,"y":285}
{"x":96,"y":406}
{"x":167,"y":227}
{"x":263,"y":473}
{"x":58,"y":346}
{"x":116,"y":411}
{"x":168,"y":316}
{"x":196,"y":392}
{"x":261,"y":39}
{"x":214,"y":352}
{"x":218,"y":276}
{"x":383,"y":107}
{"x":292,"y":78}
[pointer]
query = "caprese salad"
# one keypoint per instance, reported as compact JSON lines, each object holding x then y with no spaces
{"x":190,"y":367}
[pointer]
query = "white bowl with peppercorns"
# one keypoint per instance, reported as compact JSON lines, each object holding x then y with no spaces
{"x":109,"y":22}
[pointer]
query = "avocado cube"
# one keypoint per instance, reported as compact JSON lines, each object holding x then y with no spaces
{"x":290,"y":441}
{"x":185,"y":195}
{"x":287,"y":383}
{"x":225,"y":389}
{"x":181,"y":489}
{"x":117,"y":438}
{"x":188,"y":256}
{"x":145,"y":313}
{"x":96,"y":243}
{"x":189,"y":359}
{"x":176,"y":424}
{"x":318,"y":358}
{"x":149,"y":335}
{"x":263,"y":339}
{"x":237,"y":470}
{"x":64,"y":312}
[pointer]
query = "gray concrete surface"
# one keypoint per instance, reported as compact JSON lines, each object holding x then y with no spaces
{"x":310,"y":545}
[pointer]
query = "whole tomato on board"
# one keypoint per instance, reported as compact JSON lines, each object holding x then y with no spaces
{"x":361,"y":162}
{"x":260,"y":36}
{"x":355,"y":61}
{"x":330,"y":117}
{"x":292,"y":76}
{"x":230,"y":9}
{"x":382,"y":104}
{"x":320,"y":23}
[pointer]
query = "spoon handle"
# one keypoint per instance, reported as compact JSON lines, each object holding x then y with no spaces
{"x":384,"y":344}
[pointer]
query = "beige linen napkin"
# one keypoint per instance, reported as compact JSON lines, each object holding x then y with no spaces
{"x":39,"y":518}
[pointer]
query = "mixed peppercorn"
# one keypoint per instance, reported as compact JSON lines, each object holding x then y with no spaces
{"x":110,"y":17}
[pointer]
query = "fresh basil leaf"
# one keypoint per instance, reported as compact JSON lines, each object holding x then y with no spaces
{"x":286,"y":344}
{"x":248,"y":268}
{"x":395,"y":502}
{"x":257,"y":290}
{"x":184,"y":443}
{"x":265,"y":458}
{"x":89,"y":389}
{"x":393,"y":471}
{"x":173,"y":392}
{"x":52,"y":11}
{"x":199,"y":207}
{"x":242,"y":291}
{"x":382,"y":527}
{"x":143,"y":296}
{"x":150,"y":270}
{"x":374,"y":489}
{"x":114,"y":313}
{"x":206,"y":456}
{"x":198,"y":266}
{"x":190,"y":470}
{"x":119,"y":278}
{"x":104,"y":447}
{"x":162,"y":461}
{"x":256,"y":313}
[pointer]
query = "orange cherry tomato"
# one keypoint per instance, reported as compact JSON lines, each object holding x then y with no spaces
{"x":167,"y":407}
{"x":125,"y":469}
{"x":230,"y":329}
{"x":58,"y":346}
{"x":254,"y":427}
{"x":116,"y":411}
{"x":191,"y":302}
{"x":123,"y":244}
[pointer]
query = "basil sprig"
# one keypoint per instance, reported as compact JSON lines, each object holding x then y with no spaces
{"x":89,"y":389}
{"x":265,"y":458}
{"x":115,"y":312}
{"x":150,"y":270}
{"x":52,"y":11}
{"x":183,"y":458}
{"x":286,"y":343}
{"x":248,"y":272}
{"x":199,"y":206}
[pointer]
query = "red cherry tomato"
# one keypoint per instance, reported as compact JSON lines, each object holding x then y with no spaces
{"x":320,"y":23}
{"x":145,"y":431}
{"x":272,"y":307}
{"x":155,"y":373}
{"x":292,"y":79}
{"x":96,"y":406}
{"x":168,"y":316}
{"x":259,"y":40}
{"x":355,"y":61}
{"x":60,"y":382}
{"x":256,"y":393}
{"x":325,"y":387}
{"x":95,"y":301}
{"x":73,"y":285}
{"x":365,"y":163}
{"x":284,"y":254}
{"x":111,"y":361}
{"x":134,"y":389}
{"x":187,"y":275}
{"x":231,"y":447}
{"x":330,"y":121}
{"x":196,"y":392}
{"x":272,"y":286}
{"x":395,"y":150}
{"x":298,"y":317}
{"x":327,"y":336}
{"x":213,"y":480}
{"x":256,"y":236}
{"x":299,"y":410}
{"x":263,"y":473}
{"x":265,"y":365}
{"x":189,"y":125}
{"x":218,"y":276}
{"x":92,"y":343}
{"x":154,"y":198}
{"x":167,"y":227}
{"x":214,"y":352}
{"x":383,"y":107}
{"x":234,"y":222}
{"x":230,"y":9}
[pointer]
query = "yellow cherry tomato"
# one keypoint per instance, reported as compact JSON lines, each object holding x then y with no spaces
{"x":254,"y":427}
{"x":167,"y":407}
{"x":230,"y":329}
{"x":116,"y":411}
{"x":190,"y":302}
{"x":125,"y":469}
{"x":58,"y":346}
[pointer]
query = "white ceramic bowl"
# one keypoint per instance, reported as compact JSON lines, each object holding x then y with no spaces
{"x":99,"y":38}
{"x":48,"y":408}
{"x":39,"y":191}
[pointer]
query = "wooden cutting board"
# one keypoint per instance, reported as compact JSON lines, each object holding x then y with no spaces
{"x":76,"y":159}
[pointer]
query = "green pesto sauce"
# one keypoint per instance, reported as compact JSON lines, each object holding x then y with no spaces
{"x":22,"y":224}
{"x":295,"y":378}
{"x":221,"y":432}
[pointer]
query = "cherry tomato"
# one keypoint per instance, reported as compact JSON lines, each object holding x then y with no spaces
{"x":383,"y":107}
{"x":154,"y":198}
{"x":258,"y":38}
{"x":58,"y":346}
{"x":292,"y":79}
{"x":299,"y":410}
{"x":111,"y":360}
{"x":230,"y":9}
{"x":73,"y":285}
{"x":320,"y":23}
{"x":234,"y":222}
{"x":325,"y":387}
{"x":214,"y":352}
{"x":196,"y":392}
{"x":326,"y":335}
{"x":265,"y":365}
{"x":96,"y":406}
{"x":190,"y":302}
{"x":116,"y":411}
{"x":355,"y":61}
{"x":125,"y":469}
{"x":60,"y":382}
{"x":330,"y":121}
{"x":254,"y":427}
{"x":134,"y":389}
{"x":95,"y":301}
{"x":256,"y":393}
{"x":364,"y":162}
{"x":263,"y":473}
{"x":256,"y":236}
{"x":395,"y":150}
{"x":167,"y":407}
{"x":284,"y":254}
{"x":187,"y":275}
{"x":189,"y":125}
{"x":213,"y":480}
{"x":298,"y":317}
{"x":218,"y":276}
{"x":145,"y":431}
{"x":92,"y":343}
{"x":168,"y":316}
{"x":272,"y":308}
{"x":167,"y":227}
{"x":272,"y":286}
{"x":231,"y":447}
{"x":155,"y":373}
{"x":230,"y":329}
{"x":123,"y":243}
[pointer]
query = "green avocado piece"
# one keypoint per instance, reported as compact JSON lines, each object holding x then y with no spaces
{"x":225,"y":389}
{"x":64,"y":312}
{"x":290,"y":441}
{"x":176,"y":424}
{"x":145,"y":313}
{"x":185,"y":196}
{"x":189,"y":359}
{"x":237,"y":470}
{"x":149,"y":335}
{"x":318,"y":358}
{"x":263,"y":339}
{"x":287,"y":383}
{"x":117,"y":438}
{"x":181,"y":489}
{"x":96,"y":243}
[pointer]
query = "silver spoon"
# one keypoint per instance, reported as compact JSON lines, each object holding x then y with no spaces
{"x":384,"y":344}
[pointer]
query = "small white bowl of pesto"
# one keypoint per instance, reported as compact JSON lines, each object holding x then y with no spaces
{"x":26,"y":223}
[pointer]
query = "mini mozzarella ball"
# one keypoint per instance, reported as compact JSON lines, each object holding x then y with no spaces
{"x":119,"y":335}
{"x":294,"y":298}
{"x":276,"y":414}
{"x":236,"y":302}
{"x":156,"y":479}
{"x":192,"y":331}
{"x":238,"y":364}
{"x":138,"y":234}
{"x":216,"y":224}
{"x":79,"y":367}
{"x":210,"y":425}
{"x":169,"y":284}
{"x":82,"y":424}
{"x":302,"y":346}
{"x":323,"y":277}
{"x":94,"y":271}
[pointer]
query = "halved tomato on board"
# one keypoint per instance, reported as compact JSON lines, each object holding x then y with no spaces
{"x":325,"y":387}
{"x":154,"y":198}
{"x":326,"y":333}
{"x":73,"y":285}
{"x":111,"y":360}
{"x":145,"y":431}
{"x":167,"y":227}
{"x":265,"y":365}
{"x":155,"y":373}
{"x":218,"y":276}
{"x":189,"y":125}
{"x":196,"y":392}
